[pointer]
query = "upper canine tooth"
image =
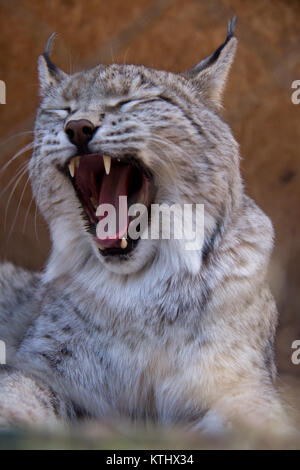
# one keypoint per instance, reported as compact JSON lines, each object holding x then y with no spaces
{"x":77,"y":161}
{"x":72,"y":168}
{"x":124,"y":243}
{"x":107,"y":163}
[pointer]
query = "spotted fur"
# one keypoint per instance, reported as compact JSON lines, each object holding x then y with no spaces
{"x":161,"y":334}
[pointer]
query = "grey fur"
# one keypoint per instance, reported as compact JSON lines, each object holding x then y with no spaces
{"x":162,"y":334}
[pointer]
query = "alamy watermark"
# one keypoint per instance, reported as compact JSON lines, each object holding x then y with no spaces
{"x":179,"y":222}
{"x":2,"y":92}
{"x":296,"y":354}
{"x":296,"y":94}
{"x":2,"y":352}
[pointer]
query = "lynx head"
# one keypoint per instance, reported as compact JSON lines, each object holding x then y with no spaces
{"x":124,"y":130}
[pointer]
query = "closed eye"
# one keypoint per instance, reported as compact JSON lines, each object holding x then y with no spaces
{"x":61,"y":112}
{"x":127,"y":104}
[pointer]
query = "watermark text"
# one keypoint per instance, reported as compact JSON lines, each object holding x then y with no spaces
{"x":296,"y":354}
{"x":2,"y":92}
{"x":2,"y":352}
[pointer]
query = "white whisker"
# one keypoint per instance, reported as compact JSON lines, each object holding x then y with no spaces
{"x":14,"y":177}
{"x":14,"y":136}
{"x":18,"y":208}
{"x":12,"y":192}
{"x":18,"y":154}
{"x":35,"y":212}
{"x":27,"y":214}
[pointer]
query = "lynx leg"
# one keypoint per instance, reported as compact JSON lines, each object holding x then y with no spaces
{"x":26,"y":402}
{"x":256,"y":406}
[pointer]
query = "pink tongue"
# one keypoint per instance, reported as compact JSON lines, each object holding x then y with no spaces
{"x":113,"y":186}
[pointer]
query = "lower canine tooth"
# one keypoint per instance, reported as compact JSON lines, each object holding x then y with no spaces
{"x":100,"y":246}
{"x":107,"y":163}
{"x":124,"y":243}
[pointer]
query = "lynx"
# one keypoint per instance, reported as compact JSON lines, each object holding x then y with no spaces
{"x":142,"y":330}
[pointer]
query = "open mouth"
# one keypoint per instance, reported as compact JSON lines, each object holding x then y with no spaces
{"x":101,"y":179}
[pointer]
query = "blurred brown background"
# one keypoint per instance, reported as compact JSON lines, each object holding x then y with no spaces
{"x":174,"y":35}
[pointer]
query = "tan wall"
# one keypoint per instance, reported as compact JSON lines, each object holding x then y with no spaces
{"x":170,"y":34}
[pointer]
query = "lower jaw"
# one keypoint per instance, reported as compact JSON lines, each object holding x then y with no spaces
{"x":119,"y":252}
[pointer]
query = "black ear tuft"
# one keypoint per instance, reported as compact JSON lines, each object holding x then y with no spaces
{"x":49,"y":73}
{"x":231,"y":28}
{"x":49,"y":45}
{"x":47,"y":52}
{"x":209,"y":75}
{"x":230,"y":34}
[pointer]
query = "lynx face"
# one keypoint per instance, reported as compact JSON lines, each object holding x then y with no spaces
{"x":124,"y":130}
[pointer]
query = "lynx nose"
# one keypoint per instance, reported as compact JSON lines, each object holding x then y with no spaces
{"x":80,"y":132}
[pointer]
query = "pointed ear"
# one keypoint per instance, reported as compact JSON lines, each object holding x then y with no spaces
{"x":210,"y":75}
{"x":49,"y":74}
